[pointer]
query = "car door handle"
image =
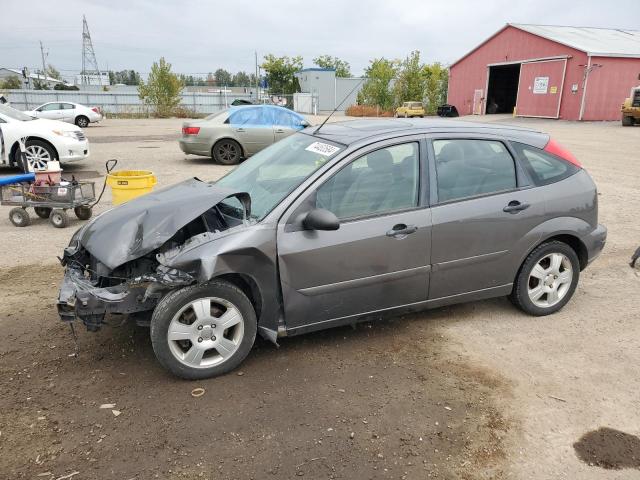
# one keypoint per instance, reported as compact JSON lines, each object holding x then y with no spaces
{"x":515,"y":206}
{"x":279,"y":130}
{"x":239,"y":129}
{"x":401,"y":230}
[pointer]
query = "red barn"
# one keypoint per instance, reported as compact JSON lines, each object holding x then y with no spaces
{"x":574,"y":73}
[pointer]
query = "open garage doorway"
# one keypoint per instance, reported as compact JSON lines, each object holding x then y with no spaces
{"x":502,"y":90}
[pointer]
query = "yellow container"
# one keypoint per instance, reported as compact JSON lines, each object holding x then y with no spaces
{"x":129,"y":184}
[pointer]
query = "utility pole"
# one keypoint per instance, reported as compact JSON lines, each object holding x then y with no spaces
{"x":44,"y":63}
{"x":257,"y":96}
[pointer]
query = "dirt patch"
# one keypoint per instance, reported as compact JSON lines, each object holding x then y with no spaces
{"x":609,"y":448}
{"x":385,"y":400}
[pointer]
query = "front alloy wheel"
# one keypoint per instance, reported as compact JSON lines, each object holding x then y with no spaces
{"x":38,"y":154}
{"x":203,"y":330}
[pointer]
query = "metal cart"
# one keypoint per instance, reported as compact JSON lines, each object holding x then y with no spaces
{"x":48,"y":201}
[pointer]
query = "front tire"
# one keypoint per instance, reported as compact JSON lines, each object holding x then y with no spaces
{"x":204,"y":330}
{"x":82,"y":121}
{"x":227,"y":152}
{"x":547,"y":279}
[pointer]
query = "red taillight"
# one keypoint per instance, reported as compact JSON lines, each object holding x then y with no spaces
{"x":555,"y":148}
{"x":190,"y":130}
{"x":96,"y":109}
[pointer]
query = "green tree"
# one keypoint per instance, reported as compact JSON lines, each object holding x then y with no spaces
{"x":436,"y":80}
{"x":241,"y":79}
{"x":53,"y":72}
{"x":162,"y":90}
{"x":281,"y":73}
{"x":377,"y":89}
{"x":12,"y":82}
{"x":410,"y":82}
{"x":126,"y":77}
{"x":223,"y":78}
{"x":342,"y":68}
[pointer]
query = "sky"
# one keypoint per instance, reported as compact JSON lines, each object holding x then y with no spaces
{"x":198,"y":36}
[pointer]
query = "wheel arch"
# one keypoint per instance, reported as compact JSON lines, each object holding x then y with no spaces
{"x":570,"y":239}
{"x":16,"y":146}
{"x":249,"y":287}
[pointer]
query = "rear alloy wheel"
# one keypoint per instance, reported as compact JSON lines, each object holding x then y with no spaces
{"x":547,"y":279}
{"x":227,"y":152}
{"x":38,"y":154}
{"x":204,"y":330}
{"x":82,"y":121}
{"x":19,"y":217}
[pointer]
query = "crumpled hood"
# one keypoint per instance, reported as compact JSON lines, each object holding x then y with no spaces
{"x":144,"y":224}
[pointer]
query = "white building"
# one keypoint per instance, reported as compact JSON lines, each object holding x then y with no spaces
{"x":32,"y":77}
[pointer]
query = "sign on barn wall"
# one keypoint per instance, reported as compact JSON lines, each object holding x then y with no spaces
{"x":540,"y":84}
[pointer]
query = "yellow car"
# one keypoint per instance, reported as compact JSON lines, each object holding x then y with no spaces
{"x":410,"y":109}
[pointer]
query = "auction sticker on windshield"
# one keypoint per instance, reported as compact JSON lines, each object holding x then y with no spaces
{"x":322,"y":148}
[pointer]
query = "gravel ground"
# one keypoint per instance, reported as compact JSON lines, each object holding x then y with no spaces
{"x":472,"y":391}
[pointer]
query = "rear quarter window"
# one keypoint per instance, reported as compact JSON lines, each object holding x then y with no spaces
{"x":543,"y":167}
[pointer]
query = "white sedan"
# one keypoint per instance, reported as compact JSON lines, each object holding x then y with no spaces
{"x":45,"y":139}
{"x":67,"y":112}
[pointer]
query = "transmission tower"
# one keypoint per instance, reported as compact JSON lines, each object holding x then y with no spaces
{"x":88,"y":56}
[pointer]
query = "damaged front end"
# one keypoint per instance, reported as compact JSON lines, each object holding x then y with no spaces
{"x":89,"y":291}
{"x":114,"y":264}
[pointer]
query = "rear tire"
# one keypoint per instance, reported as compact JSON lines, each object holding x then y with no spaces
{"x":19,"y":217}
{"x":59,"y":218}
{"x":82,"y":121}
{"x":227,"y":152}
{"x":190,"y":335}
{"x":547,"y":279}
{"x":627,"y":121}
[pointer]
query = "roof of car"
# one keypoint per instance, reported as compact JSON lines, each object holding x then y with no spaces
{"x":352,"y":131}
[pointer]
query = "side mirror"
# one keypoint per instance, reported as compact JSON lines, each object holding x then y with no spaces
{"x":321,"y":219}
{"x":304,"y":124}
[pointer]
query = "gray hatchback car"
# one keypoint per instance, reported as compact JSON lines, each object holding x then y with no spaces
{"x":332,"y":225}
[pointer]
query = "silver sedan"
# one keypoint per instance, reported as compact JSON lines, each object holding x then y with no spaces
{"x":239,"y":132}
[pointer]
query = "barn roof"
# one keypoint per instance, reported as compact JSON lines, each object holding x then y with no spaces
{"x":597,"y":42}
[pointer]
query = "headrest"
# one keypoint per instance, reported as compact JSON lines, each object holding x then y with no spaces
{"x":380,"y":160}
{"x":451,"y":152}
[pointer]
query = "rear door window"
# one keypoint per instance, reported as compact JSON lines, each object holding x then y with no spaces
{"x":468,"y":168}
{"x":543,"y":168}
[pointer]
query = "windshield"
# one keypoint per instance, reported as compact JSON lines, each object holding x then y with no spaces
{"x":270,"y":175}
{"x":15,"y":114}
